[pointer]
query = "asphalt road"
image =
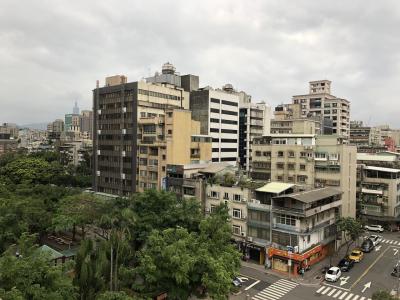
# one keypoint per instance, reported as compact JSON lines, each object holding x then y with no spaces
{"x":370,"y":275}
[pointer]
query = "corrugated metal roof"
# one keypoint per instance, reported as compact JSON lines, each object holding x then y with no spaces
{"x":275,"y":187}
{"x":313,"y":195}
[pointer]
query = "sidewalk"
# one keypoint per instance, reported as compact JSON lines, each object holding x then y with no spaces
{"x":313,"y":277}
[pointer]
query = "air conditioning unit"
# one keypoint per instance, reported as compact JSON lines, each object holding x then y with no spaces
{"x":98,"y":152}
{"x":249,"y":239}
{"x":243,"y":233}
{"x":244,"y":199}
{"x":98,"y":173}
{"x":99,"y":111}
{"x":124,"y":131}
{"x":296,"y":249}
{"x":99,"y":131}
{"x":124,"y":109}
{"x":123,"y":153}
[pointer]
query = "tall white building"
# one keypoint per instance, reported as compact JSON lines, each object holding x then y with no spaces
{"x":218,"y":113}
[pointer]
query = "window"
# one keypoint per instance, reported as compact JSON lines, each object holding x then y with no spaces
{"x":280,"y":166}
{"x":226,"y":196}
{"x":286,"y":219}
{"x":236,"y":229}
{"x":213,"y":100}
{"x":236,"y":213}
{"x":228,"y":122}
{"x":279,"y":178}
{"x":229,"y":103}
{"x":228,"y":140}
{"x":214,"y":129}
{"x":212,"y":120}
{"x":214,"y":110}
{"x":291,"y":154}
{"x":280,"y":153}
{"x":228,"y":149}
{"x":228,"y":131}
{"x":169,"y":131}
{"x":237,"y":197}
{"x":301,"y":178}
{"x":228,"y":112}
{"x":302,"y":167}
{"x":267,"y":153}
{"x":291,"y":166}
{"x":213,"y":208}
{"x":214,"y":194}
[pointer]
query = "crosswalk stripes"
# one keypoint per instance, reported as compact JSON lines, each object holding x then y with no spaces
{"x":276,"y":290}
{"x":339,"y":294}
{"x":390,"y":242}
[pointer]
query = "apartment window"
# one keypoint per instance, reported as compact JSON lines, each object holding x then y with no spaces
{"x":267,"y":153}
{"x":237,"y":197}
{"x":143,"y":173}
{"x":236,"y":213}
{"x":290,"y":179}
{"x":229,"y":103}
{"x":280,"y":153}
{"x":228,"y":112}
{"x":334,"y":104}
{"x":213,"y":208}
{"x":291,"y":166}
{"x":228,"y":149}
{"x":286,"y":219}
{"x":236,"y":229}
{"x":214,"y":110}
{"x":212,"y":120}
{"x":215,"y":140}
{"x":169,"y":131}
{"x":291,"y":154}
{"x":215,"y":149}
{"x":302,"y":167}
{"x":229,"y":122}
{"x":228,"y":140}
{"x":214,"y":194}
{"x":226,"y":196}
{"x":279,"y":178}
{"x":258,"y":153}
{"x":301,"y":178}
{"x":214,"y":129}
{"x":280,"y":166}
{"x":213,"y":100}
{"x":228,"y":131}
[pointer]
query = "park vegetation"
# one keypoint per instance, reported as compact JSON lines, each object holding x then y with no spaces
{"x":129,"y":248}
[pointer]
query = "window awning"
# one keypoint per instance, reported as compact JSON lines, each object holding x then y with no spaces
{"x":275,"y":187}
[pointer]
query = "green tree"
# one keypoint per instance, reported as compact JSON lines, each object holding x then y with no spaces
{"x":115,"y":296}
{"x":352,"y":230}
{"x":182,"y":262}
{"x":27,"y":169}
{"x":32,"y":275}
{"x":382,"y":295}
{"x":78,"y":210}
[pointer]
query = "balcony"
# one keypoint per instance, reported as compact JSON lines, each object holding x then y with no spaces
{"x":256,"y":205}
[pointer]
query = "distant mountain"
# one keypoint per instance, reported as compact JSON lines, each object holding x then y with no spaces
{"x":39,"y":126}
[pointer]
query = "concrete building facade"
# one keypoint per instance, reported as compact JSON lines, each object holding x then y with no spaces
{"x":218,"y":114}
{"x":320,"y":103}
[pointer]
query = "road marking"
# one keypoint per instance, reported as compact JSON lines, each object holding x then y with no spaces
{"x":276,"y":290}
{"x":320,"y":289}
{"x":369,"y":268}
{"x":338,"y":287}
{"x":362,"y":298}
{"x":395,"y":251}
{"x":391,"y":242}
{"x":344,"y":294}
{"x":251,"y":285}
{"x":324,"y":292}
{"x":331,"y":292}
{"x":337,"y":294}
{"x":356,"y":297}
{"x":243,"y":278}
{"x":366,"y":286}
{"x":384,"y":241}
{"x":349,"y":296}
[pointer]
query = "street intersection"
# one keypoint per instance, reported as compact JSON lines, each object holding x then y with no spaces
{"x":373,"y":273}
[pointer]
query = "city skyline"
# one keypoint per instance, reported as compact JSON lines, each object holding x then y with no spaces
{"x":277,"y":50}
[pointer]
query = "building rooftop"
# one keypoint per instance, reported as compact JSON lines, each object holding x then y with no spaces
{"x":275,"y":187}
{"x":389,"y":170}
{"x":213,"y":168}
{"x":375,"y":157}
{"x":312,"y":195}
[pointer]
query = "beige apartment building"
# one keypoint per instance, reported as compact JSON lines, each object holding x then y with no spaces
{"x":310,"y":161}
{"x":378,"y":188}
{"x":170,"y":139}
{"x":320,"y":103}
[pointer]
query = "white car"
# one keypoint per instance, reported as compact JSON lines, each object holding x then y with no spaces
{"x":376,"y":239}
{"x":377,"y":228}
{"x":333,"y":274}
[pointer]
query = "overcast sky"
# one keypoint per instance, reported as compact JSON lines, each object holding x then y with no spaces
{"x":52,"y":52}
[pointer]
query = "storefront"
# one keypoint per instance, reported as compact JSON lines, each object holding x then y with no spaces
{"x":256,"y":253}
{"x":283,"y":261}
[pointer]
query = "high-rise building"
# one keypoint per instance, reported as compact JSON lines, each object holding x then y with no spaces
{"x":86,"y":123}
{"x":366,"y":138}
{"x":139,"y":127}
{"x":217,"y":110}
{"x":320,"y":103}
{"x":75,"y":109}
{"x":254,"y":121}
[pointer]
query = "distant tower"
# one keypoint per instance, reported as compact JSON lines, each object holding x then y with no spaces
{"x":75,"y":109}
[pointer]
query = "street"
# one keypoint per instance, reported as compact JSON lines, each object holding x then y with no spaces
{"x":373,"y":273}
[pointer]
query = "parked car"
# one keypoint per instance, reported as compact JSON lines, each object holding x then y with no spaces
{"x":367,"y":246}
{"x":237,"y":281}
{"x":376,"y":239}
{"x":356,"y":255}
{"x":377,"y":228}
{"x":396,"y":270}
{"x":346,"y":264}
{"x":333,"y":274}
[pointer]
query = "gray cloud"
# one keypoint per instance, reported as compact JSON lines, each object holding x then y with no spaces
{"x":52,"y":52}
